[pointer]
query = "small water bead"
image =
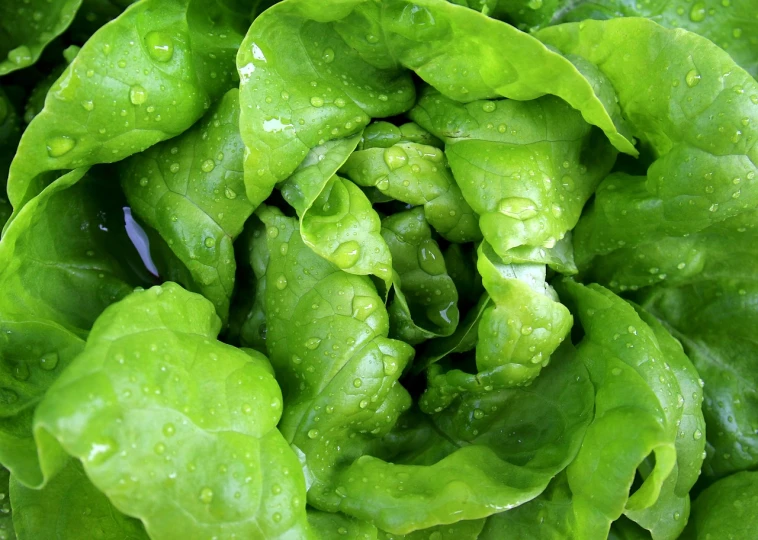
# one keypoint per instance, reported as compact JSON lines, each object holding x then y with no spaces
{"x":88,"y":105}
{"x":210,"y":242}
{"x":272,"y":231}
{"x":21,"y":371}
{"x":363,"y":307}
{"x":697,"y":435}
{"x":430,"y":258}
{"x":312,"y":343}
{"x":59,"y":146}
{"x":390,"y":365}
{"x":174,"y":168}
{"x":328,"y":55}
{"x":20,"y":56}
{"x":395,"y":157}
{"x":347,"y":254}
{"x":208,"y":165}
{"x":160,"y":46}
{"x":371,"y":38}
{"x":692,"y":78}
{"x":229,"y":193}
{"x":206,"y":495}
{"x":383,"y":183}
{"x":159,"y":448}
{"x":317,"y":101}
{"x":313,"y":433}
{"x":357,"y":383}
{"x":698,"y":11}
{"x":49,"y":361}
{"x":169,"y":430}
{"x":489,"y":106}
{"x":281,"y":282}
{"x":478,"y":414}
{"x":518,"y":208}
{"x":143,"y":181}
{"x":137,"y":95}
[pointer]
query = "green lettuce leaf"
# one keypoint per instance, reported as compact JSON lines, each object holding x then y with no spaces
{"x":63,"y":260}
{"x":191,"y":191}
{"x":9,"y":134}
{"x":327,"y":341}
{"x":526,"y":168}
{"x":174,"y":427}
{"x":730,"y":24}
{"x":143,"y":78}
{"x":425,"y":302}
{"x":694,"y":111}
{"x":336,"y":218}
{"x":715,"y":321}
{"x":28,"y":26}
{"x":725,"y":509}
{"x":647,"y":421}
{"x":328,"y":525}
{"x":311,"y":73}
{"x":411,"y":171}
{"x":69,"y":507}
{"x":517,"y":332}
{"x":7,"y":531}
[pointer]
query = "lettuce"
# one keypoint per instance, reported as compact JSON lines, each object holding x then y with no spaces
{"x":383,"y":270}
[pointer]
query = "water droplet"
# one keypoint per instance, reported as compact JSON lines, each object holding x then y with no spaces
{"x":21,"y":371}
{"x":518,"y":208}
{"x":208,"y":165}
{"x":210,"y":242}
{"x":692,"y":78}
{"x":313,"y":433}
{"x":697,"y":435}
{"x":20,"y":56}
{"x":169,"y":430}
{"x":159,"y":448}
{"x":272,"y":231}
{"x":58,"y":146}
{"x":174,"y":168}
{"x":137,"y":95}
{"x":312,"y":343}
{"x":281,"y":282}
{"x":363,"y":307}
{"x":478,"y":414}
{"x":229,"y":193}
{"x":88,"y":105}
{"x":697,"y":13}
{"x":159,"y":46}
{"x":206,"y":495}
{"x":395,"y":157}
{"x":616,"y":371}
{"x":347,"y":254}
{"x":383,"y":183}
{"x":49,"y":361}
{"x":357,"y":383}
{"x":430,"y":258}
{"x":371,"y":38}
{"x":489,"y":106}
{"x":328,"y":55}
{"x":317,"y":101}
{"x":390,"y":364}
